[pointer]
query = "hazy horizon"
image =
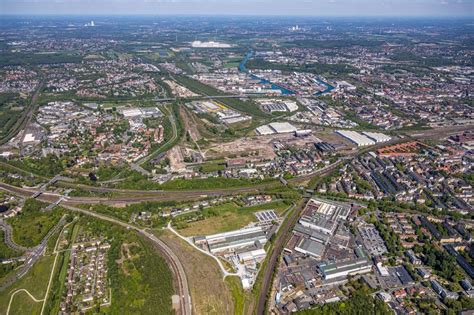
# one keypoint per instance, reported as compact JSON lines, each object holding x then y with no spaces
{"x":309,"y":8}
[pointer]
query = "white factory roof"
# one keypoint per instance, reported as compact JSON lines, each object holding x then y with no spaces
{"x":132,"y":112}
{"x":282,"y":127}
{"x":377,"y":136}
{"x":29,"y":138}
{"x":382,"y":270}
{"x":240,"y":232}
{"x":210,"y":44}
{"x":265,"y":130}
{"x":251,"y":255}
{"x":292,"y":106}
{"x":355,"y":137}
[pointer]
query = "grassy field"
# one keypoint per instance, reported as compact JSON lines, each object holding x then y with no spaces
{"x":211,"y":167}
{"x":23,"y":304}
{"x":31,"y":225}
{"x":244,"y":301}
{"x":223,"y":218}
{"x":209,"y":293}
{"x":35,"y":281}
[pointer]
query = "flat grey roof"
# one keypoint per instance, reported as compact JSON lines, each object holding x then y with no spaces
{"x":312,"y":247}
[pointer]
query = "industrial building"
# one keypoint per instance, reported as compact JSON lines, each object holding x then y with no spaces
{"x":276,"y":127}
{"x":311,"y":234}
{"x":264,"y":130}
{"x":319,"y":223}
{"x":230,"y":241}
{"x":377,"y":136}
{"x":252,"y":256}
{"x":209,"y":44}
{"x":355,"y":137}
{"x":276,"y":105}
{"x":346,"y":268}
{"x":310,"y":248}
{"x":382,"y":269}
{"x":148,"y":112}
{"x":323,"y":217}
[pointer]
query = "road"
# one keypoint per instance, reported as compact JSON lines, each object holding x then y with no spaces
{"x":207,"y":97}
{"x":279,"y":243}
{"x":34,"y":255}
{"x":225,"y":273}
{"x":140,"y":196}
{"x":131,"y":196}
{"x":172,"y":259}
{"x":7,"y":229}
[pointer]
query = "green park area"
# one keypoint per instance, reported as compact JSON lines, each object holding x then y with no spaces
{"x":32,"y":224}
{"x":223,"y":218}
{"x":35,"y":282}
{"x":139,"y":278}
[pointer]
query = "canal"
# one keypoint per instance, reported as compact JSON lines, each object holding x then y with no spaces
{"x":284,"y":91}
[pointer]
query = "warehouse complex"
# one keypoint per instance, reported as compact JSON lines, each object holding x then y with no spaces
{"x":310,"y":248}
{"x":363,"y":139}
{"x":276,"y":128}
{"x":243,"y":249}
{"x":377,"y":136}
{"x":323,"y":217}
{"x":146,"y":112}
{"x":346,"y":268}
{"x":230,"y":241}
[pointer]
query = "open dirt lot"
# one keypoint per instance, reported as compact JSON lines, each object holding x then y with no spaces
{"x":209,"y":293}
{"x":179,"y":90}
{"x":261,"y":144}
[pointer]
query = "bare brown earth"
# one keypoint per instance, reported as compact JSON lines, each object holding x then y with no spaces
{"x":209,"y":294}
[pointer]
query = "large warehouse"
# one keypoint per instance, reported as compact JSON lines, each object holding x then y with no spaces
{"x":230,"y":241}
{"x":147,"y":112}
{"x":310,"y":248}
{"x":323,"y":217}
{"x":346,"y":268}
{"x":355,"y":137}
{"x":377,"y":136}
{"x":276,"y":127}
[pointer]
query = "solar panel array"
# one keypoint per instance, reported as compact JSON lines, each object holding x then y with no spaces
{"x":266,"y":216}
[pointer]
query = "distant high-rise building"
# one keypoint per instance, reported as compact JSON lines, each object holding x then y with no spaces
{"x":295,"y":28}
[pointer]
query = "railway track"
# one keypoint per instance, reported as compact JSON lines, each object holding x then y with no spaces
{"x":171,"y":258}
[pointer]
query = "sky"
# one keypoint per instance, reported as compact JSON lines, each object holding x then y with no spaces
{"x":242,"y":7}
